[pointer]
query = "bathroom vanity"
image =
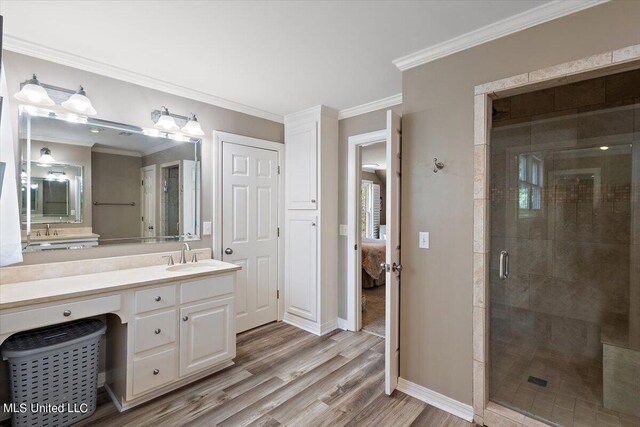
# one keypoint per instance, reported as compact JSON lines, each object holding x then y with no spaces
{"x":166,"y":325}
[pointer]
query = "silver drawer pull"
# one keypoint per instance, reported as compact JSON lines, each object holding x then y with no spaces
{"x":313,"y":200}
{"x":157,"y":331}
{"x":156,"y":371}
{"x":185,"y":318}
{"x":66,"y":313}
{"x":158,"y":299}
{"x":504,"y":265}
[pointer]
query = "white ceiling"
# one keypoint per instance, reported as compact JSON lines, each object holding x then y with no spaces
{"x":279,"y":57}
{"x":375,"y":154}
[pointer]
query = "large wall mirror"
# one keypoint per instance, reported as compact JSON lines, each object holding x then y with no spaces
{"x":88,"y":182}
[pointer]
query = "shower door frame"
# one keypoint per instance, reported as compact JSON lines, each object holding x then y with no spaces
{"x":625,"y":59}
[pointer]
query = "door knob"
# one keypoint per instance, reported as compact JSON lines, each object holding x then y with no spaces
{"x":228,"y":251}
{"x":396,"y":267}
{"x":384,"y":266}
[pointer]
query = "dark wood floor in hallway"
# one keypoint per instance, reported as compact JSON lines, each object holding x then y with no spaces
{"x":285,"y":376}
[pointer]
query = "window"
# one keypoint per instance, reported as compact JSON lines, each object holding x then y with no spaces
{"x":530,"y":183}
{"x":370,"y":210}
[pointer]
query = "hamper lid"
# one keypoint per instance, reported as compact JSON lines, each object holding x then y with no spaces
{"x":44,"y":339}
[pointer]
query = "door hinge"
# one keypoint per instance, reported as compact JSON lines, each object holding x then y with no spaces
{"x":278,"y":169}
{"x":278,"y":231}
{"x":278,"y":294}
{"x":355,"y":247}
{"x":142,"y":182}
{"x":142,"y":219}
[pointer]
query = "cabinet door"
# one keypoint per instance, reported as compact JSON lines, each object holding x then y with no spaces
{"x":207,"y":335}
{"x":301,"y":168}
{"x":301,"y":267}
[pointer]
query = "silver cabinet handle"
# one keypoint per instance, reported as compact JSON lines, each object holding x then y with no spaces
{"x":313,"y":200}
{"x":228,"y":251}
{"x":157,"y":331}
{"x":504,"y":265}
{"x":156,"y":371}
{"x":158,"y":298}
{"x":313,"y":224}
{"x":185,"y":318}
{"x":66,"y":313}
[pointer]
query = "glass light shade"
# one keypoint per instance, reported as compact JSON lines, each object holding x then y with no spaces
{"x":166,"y":122}
{"x":193,"y":127}
{"x":45,"y":156}
{"x":33,"y":93}
{"x":79,"y":103}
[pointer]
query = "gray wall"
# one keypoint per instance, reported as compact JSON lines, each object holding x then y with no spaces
{"x":370,"y":122}
{"x":436,"y":292}
{"x":123,"y":102}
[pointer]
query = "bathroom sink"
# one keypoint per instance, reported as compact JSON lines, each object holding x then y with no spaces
{"x":206,"y":265}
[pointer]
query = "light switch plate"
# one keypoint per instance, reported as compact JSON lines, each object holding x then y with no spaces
{"x":424,"y":240}
{"x":344,"y":230}
{"x":206,"y":228}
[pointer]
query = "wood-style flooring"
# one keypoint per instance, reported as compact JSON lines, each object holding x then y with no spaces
{"x":285,"y":376}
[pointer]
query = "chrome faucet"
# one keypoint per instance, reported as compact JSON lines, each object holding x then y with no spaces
{"x":183,"y":258}
{"x":48,"y":232}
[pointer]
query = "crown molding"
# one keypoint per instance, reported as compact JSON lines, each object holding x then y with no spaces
{"x":18,"y":45}
{"x":387,"y":102}
{"x":527,"y":19}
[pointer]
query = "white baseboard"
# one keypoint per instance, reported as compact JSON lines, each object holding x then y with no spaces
{"x":342,"y":324}
{"x":311,"y":326}
{"x":436,"y":399}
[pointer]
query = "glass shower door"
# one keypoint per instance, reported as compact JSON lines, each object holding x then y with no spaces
{"x":564,"y":280}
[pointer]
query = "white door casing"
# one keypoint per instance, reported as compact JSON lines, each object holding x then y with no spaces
{"x":392,"y":297}
{"x":250,"y":230}
{"x":148,"y":198}
{"x":188,"y":198}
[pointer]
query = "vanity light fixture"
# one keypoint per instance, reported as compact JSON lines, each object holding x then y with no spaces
{"x":33,"y":92}
{"x":370,"y":166}
{"x":79,"y":103}
{"x":192,"y":127}
{"x":43,"y":95}
{"x":176,"y":127}
{"x":45,"y":156}
{"x":166,"y":122}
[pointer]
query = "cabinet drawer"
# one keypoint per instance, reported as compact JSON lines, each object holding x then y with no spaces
{"x":38,"y":317}
{"x":154,"y":371}
{"x":154,"y":330}
{"x":156,"y":298}
{"x":206,"y":288}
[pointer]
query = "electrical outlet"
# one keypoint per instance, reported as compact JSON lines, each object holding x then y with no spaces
{"x":344,"y":230}
{"x":423,"y":240}
{"x":206,"y":228}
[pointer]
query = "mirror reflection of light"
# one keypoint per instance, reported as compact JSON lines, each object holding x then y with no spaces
{"x":604,"y":147}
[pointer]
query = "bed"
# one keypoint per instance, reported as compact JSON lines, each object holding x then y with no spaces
{"x":373,"y":254}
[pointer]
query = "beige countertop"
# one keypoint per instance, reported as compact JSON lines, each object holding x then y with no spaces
{"x":19,"y":294}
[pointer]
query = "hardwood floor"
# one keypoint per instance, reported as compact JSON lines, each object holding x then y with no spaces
{"x":285,"y":376}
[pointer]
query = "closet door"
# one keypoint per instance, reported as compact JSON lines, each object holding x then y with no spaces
{"x":301,"y":267}
{"x":302,"y":166}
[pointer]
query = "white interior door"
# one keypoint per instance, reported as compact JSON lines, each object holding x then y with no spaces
{"x":392,"y":309}
{"x":148,"y":208}
{"x":188,"y":199}
{"x":250,"y":230}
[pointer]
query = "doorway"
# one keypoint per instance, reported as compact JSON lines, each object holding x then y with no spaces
{"x":250,"y":209}
{"x":148,"y":199}
{"x":373,"y":260}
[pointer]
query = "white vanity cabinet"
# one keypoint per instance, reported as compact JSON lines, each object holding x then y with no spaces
{"x":311,"y":218}
{"x":164,"y":329}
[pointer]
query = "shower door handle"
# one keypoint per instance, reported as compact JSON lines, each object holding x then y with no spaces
{"x":504,"y":265}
